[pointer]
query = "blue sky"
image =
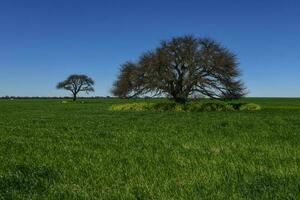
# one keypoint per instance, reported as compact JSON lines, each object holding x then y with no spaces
{"x":43,"y":41}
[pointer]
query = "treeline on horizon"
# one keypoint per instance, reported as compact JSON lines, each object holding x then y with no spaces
{"x":69,"y":97}
{"x":88,"y":97}
{"x":53,"y":97}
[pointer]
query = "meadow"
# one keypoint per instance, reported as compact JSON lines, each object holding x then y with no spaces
{"x":55,"y":150}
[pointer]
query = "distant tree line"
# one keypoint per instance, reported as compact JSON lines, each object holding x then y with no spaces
{"x":53,"y":97}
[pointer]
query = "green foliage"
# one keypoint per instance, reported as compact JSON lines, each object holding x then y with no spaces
{"x":50,"y":150}
{"x":132,"y":106}
{"x":165,"y":106}
{"x":188,"y":107}
{"x":236,"y":105}
{"x":250,"y":107}
{"x":216,"y":106}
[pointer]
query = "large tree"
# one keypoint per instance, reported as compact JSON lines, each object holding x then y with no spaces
{"x":181,"y":67}
{"x":77,"y":83}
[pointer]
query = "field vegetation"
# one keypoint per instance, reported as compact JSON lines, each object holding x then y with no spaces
{"x":194,"y":106}
{"x":84,"y":150}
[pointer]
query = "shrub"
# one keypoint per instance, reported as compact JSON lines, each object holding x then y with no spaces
{"x":236,"y":106}
{"x":192,"y":107}
{"x":132,"y":106}
{"x":179,"y":108}
{"x":166,"y":106}
{"x":216,"y":106}
{"x":250,"y":107}
{"x":188,"y":107}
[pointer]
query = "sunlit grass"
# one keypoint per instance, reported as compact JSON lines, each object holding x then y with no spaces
{"x":55,"y":150}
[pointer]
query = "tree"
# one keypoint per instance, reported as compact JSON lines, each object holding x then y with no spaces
{"x":182,"y":67}
{"x":77,"y":83}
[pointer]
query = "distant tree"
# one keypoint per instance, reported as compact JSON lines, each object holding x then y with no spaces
{"x":77,"y":83}
{"x":180,"y":68}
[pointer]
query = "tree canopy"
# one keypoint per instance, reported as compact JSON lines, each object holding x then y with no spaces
{"x":77,"y":83}
{"x":181,"y":67}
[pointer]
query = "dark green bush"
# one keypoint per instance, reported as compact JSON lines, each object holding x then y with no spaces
{"x":245,"y":106}
{"x":236,"y":106}
{"x":164,"y":106}
{"x":216,"y":106}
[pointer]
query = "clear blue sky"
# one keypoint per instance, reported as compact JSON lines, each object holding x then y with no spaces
{"x":43,"y":41}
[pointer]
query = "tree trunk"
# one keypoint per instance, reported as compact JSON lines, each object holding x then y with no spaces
{"x":180,"y":100}
{"x":74,"y":97}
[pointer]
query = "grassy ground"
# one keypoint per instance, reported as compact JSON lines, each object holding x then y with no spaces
{"x":51,"y":150}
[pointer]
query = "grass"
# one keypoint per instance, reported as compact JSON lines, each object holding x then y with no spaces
{"x":55,"y":150}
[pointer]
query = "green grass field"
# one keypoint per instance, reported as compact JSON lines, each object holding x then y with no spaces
{"x":51,"y":150}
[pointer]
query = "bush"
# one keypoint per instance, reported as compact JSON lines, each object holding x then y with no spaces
{"x":192,"y":107}
{"x":250,"y":107}
{"x":188,"y":107}
{"x":236,"y":106}
{"x":216,"y":106}
{"x":166,"y":106}
{"x":132,"y":106}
